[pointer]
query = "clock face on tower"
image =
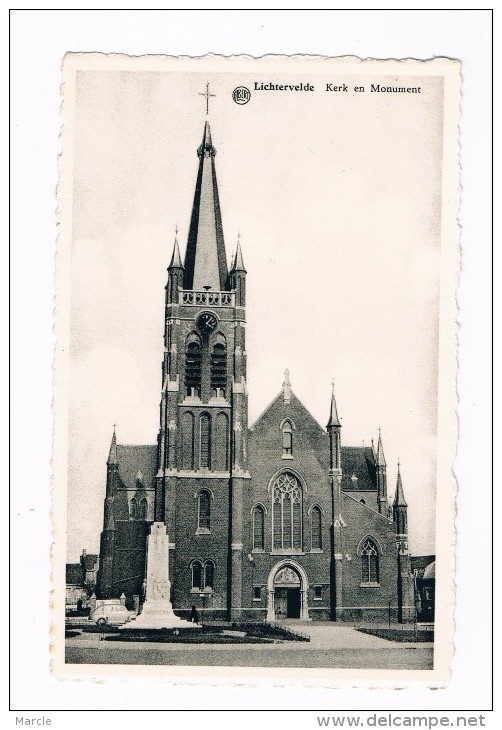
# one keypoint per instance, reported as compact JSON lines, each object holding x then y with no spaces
{"x":207,"y":322}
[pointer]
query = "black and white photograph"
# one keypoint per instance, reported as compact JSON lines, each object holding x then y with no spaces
{"x":254,"y":385}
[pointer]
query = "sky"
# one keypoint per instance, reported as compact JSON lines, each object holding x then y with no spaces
{"x":337,"y":199}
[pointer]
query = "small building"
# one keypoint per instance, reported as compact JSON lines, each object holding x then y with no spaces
{"x":90,"y":567}
{"x":76,"y":593}
{"x":424,"y":572}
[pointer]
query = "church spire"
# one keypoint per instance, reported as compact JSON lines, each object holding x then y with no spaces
{"x":333,"y":413}
{"x":334,"y":430}
{"x":238,"y":263}
{"x":380,"y":457}
{"x":175,"y":269}
{"x":205,"y":261}
{"x":237,"y":276}
{"x":175,"y":258}
{"x":399,"y":500}
{"x":113,"y":456}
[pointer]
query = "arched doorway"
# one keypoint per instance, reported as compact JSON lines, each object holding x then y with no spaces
{"x":287,"y":592}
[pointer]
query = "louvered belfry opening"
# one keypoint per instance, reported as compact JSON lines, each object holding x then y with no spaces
{"x":219,"y":370}
{"x":193,"y":369}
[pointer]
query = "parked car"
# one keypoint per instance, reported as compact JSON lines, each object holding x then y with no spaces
{"x":113,"y":614}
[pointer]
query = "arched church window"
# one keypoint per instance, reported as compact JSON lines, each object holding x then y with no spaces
{"x":286,"y":513}
{"x":208,"y":574}
{"x":205,"y":441}
{"x":316,"y":528}
{"x":133,"y":509}
{"x":143,"y":509}
{"x":219,"y":368}
{"x":287,"y":439}
{"x":187,"y":441}
{"x":193,"y":367}
{"x":258,"y":528}
{"x":369,"y":562}
{"x":221,"y":443}
{"x":204,"y":511}
{"x":197,"y":575}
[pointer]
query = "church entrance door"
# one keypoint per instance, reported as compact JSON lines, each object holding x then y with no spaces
{"x":287,"y":593}
{"x":294,"y":603}
{"x":287,"y":603}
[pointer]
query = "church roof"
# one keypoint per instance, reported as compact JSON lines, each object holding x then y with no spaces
{"x":430,"y":571}
{"x":422,"y":564}
{"x":132,"y":459}
{"x":205,"y":260}
{"x":358,"y":469}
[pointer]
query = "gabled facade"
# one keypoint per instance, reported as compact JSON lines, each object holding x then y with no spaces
{"x":275,"y":521}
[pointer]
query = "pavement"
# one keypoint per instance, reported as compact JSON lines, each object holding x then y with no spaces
{"x":330,"y":646}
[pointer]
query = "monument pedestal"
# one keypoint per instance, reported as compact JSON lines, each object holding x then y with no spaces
{"x":157,"y":611}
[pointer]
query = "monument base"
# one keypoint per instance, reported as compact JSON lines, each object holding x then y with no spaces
{"x":158,"y":615}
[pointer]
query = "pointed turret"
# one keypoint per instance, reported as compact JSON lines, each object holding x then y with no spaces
{"x":380,"y":457}
{"x":237,"y":276}
{"x":205,"y":261}
{"x":175,"y":258}
{"x":105,"y":573}
{"x":238,"y":263}
{"x":399,"y":500}
{"x":334,"y":430}
{"x":381,"y":475}
{"x":333,"y":413}
{"x":399,"y":507}
{"x":175,"y":278}
{"x":405,"y":582}
{"x":113,"y":456}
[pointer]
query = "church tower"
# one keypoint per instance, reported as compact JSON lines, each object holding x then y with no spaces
{"x":202,"y":443}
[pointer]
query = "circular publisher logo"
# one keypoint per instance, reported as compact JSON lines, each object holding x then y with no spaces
{"x":241,"y":95}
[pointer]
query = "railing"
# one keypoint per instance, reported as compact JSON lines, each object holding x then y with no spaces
{"x":207,"y":298}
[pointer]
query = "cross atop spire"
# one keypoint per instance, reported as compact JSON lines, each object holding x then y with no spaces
{"x":207,"y":95}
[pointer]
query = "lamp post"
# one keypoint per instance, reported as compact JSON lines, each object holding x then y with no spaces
{"x":203,"y":596}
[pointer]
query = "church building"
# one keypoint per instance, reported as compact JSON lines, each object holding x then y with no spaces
{"x":275,"y":520}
